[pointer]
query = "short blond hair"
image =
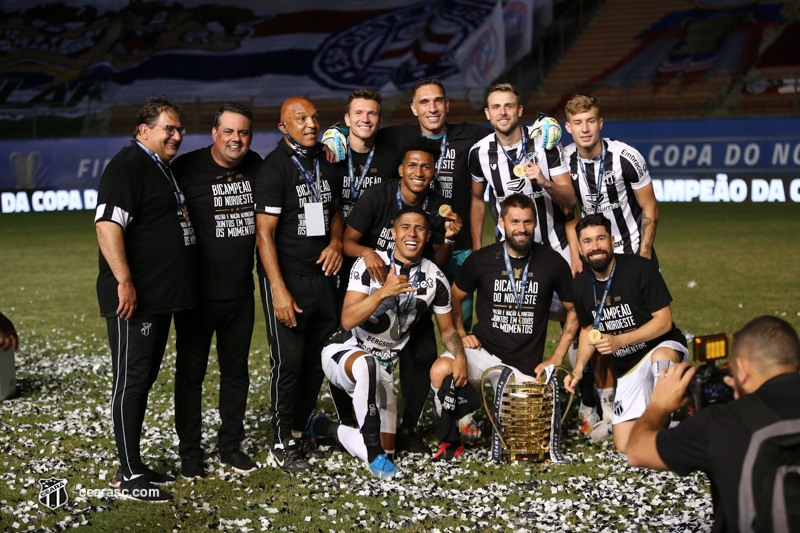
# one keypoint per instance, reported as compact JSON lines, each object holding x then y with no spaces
{"x":581,"y":103}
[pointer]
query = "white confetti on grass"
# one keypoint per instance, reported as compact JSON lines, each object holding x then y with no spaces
{"x":64,"y":401}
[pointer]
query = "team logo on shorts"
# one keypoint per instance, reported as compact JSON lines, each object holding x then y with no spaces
{"x":618,"y":409}
{"x":53,"y":492}
{"x":146,"y":326}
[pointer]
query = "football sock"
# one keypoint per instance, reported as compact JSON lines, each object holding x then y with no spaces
{"x":657,"y":367}
{"x":606,"y":401}
{"x":365,"y":372}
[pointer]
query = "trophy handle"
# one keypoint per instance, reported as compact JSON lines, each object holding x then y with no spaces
{"x":486,"y":406}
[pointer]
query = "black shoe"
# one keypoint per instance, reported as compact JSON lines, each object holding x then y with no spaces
{"x":149,"y":474}
{"x":142,"y":490}
{"x":238,"y":460}
{"x":309,"y":451}
{"x":192,"y":468}
{"x":448,"y":451}
{"x":412,"y":443}
{"x":288,"y":456}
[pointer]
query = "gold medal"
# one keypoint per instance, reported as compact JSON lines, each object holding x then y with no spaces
{"x":594,"y":335}
{"x":519,"y":170}
{"x":444,"y":209}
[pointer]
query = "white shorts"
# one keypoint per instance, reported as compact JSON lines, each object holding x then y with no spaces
{"x":635,"y":387}
{"x":478,"y":360}
{"x":334,"y":357}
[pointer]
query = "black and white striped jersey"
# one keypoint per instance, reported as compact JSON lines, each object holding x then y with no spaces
{"x":489,"y":164}
{"x":625,"y":171}
{"x":386,"y":332}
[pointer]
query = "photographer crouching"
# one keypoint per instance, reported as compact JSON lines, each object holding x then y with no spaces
{"x":749,"y":448}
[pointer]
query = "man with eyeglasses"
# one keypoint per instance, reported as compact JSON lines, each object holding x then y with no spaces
{"x":218,"y":183}
{"x":147,"y":255}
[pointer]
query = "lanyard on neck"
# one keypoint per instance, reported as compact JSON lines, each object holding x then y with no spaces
{"x":313,"y":186}
{"x":179,"y":197}
{"x":404,"y":309}
{"x":598,"y":177}
{"x":355,"y":185}
{"x":519,"y":298}
{"x":401,"y":199}
{"x":519,"y":167}
{"x":599,"y":309}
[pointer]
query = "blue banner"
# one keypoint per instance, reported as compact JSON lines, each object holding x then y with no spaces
{"x":733,"y":146}
{"x":63,"y":174}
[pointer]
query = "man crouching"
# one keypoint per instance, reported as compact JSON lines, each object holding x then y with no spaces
{"x":376,"y":323}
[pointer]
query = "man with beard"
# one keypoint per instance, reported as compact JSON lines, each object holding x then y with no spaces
{"x":377,"y":321}
{"x":623,"y":309}
{"x":218,"y":184}
{"x":299,"y":238}
{"x":765,"y":361}
{"x":511,"y":161}
{"x":515,"y":281}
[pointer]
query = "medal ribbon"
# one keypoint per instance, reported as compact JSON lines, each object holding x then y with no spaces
{"x":523,"y":284}
{"x":599,"y":176}
{"x":314,"y":187}
{"x":403,"y":310}
{"x":401,"y":199}
{"x":355,"y":186}
{"x":521,"y":158}
{"x":599,"y":309}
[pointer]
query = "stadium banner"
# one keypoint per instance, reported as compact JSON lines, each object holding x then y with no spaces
{"x":76,"y":57}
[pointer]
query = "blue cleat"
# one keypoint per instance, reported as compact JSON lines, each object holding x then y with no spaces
{"x":383,"y":468}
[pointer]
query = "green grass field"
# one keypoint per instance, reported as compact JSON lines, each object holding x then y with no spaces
{"x":743,"y":259}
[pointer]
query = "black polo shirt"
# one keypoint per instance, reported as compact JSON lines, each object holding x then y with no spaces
{"x":281,"y":191}
{"x":160,"y":245}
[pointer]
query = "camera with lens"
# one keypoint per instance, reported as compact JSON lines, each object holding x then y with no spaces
{"x":707,"y":386}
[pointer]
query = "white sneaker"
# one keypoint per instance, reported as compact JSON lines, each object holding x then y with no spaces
{"x":601,"y":431}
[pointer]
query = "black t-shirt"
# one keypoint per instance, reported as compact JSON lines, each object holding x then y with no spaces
{"x":454,"y":181}
{"x":382,"y":168}
{"x":376,"y":210}
{"x":281,"y":191}
{"x":516,"y":338}
{"x":221,"y":202}
{"x":637,"y":291}
{"x":160,"y":245}
{"x":715,"y":441}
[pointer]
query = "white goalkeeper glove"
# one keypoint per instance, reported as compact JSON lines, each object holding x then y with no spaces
{"x":335,"y":138}
{"x":549,"y":128}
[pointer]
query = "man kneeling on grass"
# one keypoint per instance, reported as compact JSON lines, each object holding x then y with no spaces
{"x":376,"y":323}
{"x":515,"y":281}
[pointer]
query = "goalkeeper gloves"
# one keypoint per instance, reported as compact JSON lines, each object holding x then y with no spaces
{"x":335,"y":138}
{"x":550,"y":130}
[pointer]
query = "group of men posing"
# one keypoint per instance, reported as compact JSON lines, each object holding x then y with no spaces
{"x":355,"y":256}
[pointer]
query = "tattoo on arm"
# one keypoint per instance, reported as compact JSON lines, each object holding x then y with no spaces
{"x":458,"y":314}
{"x":452,"y":341}
{"x":647,"y":245}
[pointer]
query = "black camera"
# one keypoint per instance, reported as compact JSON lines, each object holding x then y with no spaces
{"x":707,"y":386}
